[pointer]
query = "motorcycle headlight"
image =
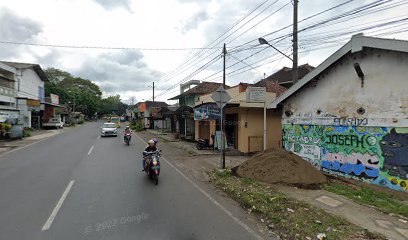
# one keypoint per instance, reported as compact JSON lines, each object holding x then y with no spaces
{"x":154,"y":162}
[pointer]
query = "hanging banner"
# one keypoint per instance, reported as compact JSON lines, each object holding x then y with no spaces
{"x":207,"y":112}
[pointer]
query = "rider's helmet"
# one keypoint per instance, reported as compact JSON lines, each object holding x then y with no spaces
{"x":127,"y":127}
{"x":151,"y":143}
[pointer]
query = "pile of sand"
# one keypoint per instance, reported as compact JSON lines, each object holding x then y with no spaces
{"x":280,"y":166}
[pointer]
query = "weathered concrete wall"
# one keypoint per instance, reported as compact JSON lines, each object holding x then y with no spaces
{"x":354,"y":130}
{"x":337,"y":97}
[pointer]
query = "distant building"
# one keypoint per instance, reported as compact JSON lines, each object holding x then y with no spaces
{"x":284,"y":77}
{"x":243,"y":120}
{"x":145,"y":112}
{"x":349,"y":116}
{"x":186,"y":101}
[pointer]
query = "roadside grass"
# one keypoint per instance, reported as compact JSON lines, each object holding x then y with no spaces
{"x":383,"y":201}
{"x":27,"y":132}
{"x":286,"y":217}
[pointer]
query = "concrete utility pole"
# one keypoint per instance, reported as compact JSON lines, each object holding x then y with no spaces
{"x":295,"y":41}
{"x":153,"y":91}
{"x":224,"y":53}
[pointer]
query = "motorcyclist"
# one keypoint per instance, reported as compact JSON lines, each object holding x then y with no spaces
{"x":151,"y":147}
{"x":127,"y":131}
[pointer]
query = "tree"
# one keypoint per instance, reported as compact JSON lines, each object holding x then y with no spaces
{"x":80,"y":93}
{"x":112,"y":104}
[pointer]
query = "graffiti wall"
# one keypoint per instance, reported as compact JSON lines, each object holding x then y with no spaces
{"x":376,"y":155}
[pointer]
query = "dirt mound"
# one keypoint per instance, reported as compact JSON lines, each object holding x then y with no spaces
{"x":280,"y":166}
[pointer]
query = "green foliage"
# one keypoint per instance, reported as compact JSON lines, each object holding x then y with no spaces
{"x":384,"y":201}
{"x":27,"y":132}
{"x":112,"y":104}
{"x":287,"y":217}
{"x":81,"y":93}
{"x":136,"y":126}
{"x":81,"y":121}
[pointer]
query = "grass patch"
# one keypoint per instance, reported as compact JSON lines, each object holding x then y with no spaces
{"x":385,"y":202}
{"x":27,"y":132}
{"x":289,"y":218}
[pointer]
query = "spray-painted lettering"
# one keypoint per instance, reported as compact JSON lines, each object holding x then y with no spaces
{"x":350,"y":121}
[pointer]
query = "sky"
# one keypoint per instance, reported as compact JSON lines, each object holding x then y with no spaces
{"x":136,"y":36}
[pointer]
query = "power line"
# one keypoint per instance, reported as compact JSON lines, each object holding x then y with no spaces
{"x":197,"y":60}
{"x":101,"y":47}
{"x":181,"y":66}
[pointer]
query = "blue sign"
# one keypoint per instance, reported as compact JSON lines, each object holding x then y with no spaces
{"x":207,"y":112}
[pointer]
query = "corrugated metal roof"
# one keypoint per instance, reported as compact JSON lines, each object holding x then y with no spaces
{"x":36,"y":67}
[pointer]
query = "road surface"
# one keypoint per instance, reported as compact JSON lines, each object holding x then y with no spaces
{"x":77,"y":185}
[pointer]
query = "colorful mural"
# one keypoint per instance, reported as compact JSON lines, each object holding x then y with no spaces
{"x":376,"y":155}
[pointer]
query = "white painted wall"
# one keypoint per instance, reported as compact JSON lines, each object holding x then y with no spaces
{"x":338,"y":93}
{"x":28,"y":83}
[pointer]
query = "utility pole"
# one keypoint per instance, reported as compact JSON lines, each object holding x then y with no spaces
{"x":153,"y":91}
{"x":224,"y":53}
{"x":295,"y":41}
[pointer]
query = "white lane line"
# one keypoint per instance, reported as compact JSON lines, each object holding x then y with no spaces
{"x":98,"y":137}
{"x":49,"y":221}
{"x":90,"y":150}
{"x":226,"y":211}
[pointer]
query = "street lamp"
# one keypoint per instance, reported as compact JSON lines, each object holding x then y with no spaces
{"x":263,"y":41}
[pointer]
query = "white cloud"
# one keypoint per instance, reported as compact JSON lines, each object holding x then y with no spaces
{"x":155,"y":24}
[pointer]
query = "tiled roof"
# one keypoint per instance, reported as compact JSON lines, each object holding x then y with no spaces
{"x":285,"y":74}
{"x":201,"y":89}
{"x":271,"y":86}
{"x":155,"y":104}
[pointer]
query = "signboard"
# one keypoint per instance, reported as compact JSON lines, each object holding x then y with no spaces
{"x":33,"y":103}
{"x":4,"y":115}
{"x":221,"y":97}
{"x":256,"y":94}
{"x":218,"y":140}
{"x":207,"y":112}
{"x":54,"y":99}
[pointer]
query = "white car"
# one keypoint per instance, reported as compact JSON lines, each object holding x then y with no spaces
{"x":109,"y":129}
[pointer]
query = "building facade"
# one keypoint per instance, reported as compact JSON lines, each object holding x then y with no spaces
{"x":29,"y":84}
{"x":349,"y":117}
{"x":243,"y":120}
{"x":8,"y":93}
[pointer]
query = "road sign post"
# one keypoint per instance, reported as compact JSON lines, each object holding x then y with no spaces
{"x":221,"y":97}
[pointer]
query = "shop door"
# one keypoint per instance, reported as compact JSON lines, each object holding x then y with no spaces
{"x":204,"y":130}
{"x":231,"y":130}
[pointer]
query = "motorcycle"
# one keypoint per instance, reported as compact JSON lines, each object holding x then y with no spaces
{"x":152,"y":165}
{"x":127,"y":138}
{"x":205,"y":143}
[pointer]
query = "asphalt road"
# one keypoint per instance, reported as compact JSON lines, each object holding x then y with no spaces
{"x":77,"y":185}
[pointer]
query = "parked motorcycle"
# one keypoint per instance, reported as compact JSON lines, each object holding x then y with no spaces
{"x":205,"y":143}
{"x":152,"y":165}
{"x":127,"y":138}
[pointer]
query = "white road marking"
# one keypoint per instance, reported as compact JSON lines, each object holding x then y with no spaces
{"x":49,"y":221}
{"x":98,"y":137}
{"x":239,"y":222}
{"x":90,"y":150}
